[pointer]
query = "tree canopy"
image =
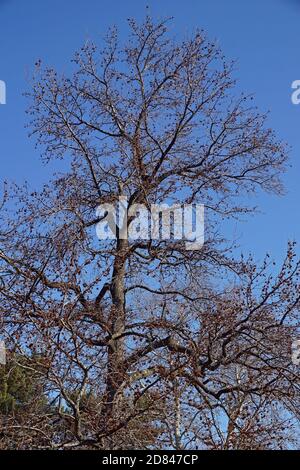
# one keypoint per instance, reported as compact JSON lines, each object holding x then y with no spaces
{"x":146,"y":344}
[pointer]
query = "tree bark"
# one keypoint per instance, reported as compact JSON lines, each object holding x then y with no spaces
{"x":116,"y":362}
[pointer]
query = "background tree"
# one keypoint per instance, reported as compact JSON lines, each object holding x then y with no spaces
{"x":23,"y":402}
{"x":193,"y":343}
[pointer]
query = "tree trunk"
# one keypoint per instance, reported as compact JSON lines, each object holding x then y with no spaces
{"x":115,"y":367}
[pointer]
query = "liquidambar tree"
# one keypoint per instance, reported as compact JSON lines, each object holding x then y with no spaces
{"x":143,"y":343}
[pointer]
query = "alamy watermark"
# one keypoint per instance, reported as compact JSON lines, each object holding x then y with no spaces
{"x":296,"y":93}
{"x":2,"y":92}
{"x":157,"y":222}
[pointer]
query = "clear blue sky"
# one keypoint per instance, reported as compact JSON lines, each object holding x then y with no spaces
{"x":263,"y":35}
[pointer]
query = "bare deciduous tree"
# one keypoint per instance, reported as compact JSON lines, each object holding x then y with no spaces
{"x":142,"y":343}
